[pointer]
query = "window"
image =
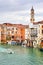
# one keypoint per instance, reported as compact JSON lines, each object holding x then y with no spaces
{"x":16,"y":32}
{"x":41,"y":40}
{"x":16,"y":29}
{"x":21,"y":37}
{"x":12,"y":31}
{"x":42,"y":26}
{"x":42,"y":31}
{"x":12,"y":36}
{"x":8,"y":32}
{"x":12,"y":28}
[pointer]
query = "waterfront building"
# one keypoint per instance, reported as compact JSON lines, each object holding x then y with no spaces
{"x":36,"y":30}
{"x":3,"y":33}
{"x":13,"y":32}
{"x":31,"y":34}
{"x":33,"y":31}
{"x":39,"y":26}
{"x":0,"y":33}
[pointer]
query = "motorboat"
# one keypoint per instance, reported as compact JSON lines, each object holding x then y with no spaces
{"x":10,"y":51}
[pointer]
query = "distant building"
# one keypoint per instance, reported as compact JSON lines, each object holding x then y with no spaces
{"x":32,"y":34}
{"x":39,"y":26}
{"x":32,"y":15}
{"x":13,"y":32}
{"x":0,"y":33}
{"x":36,"y":30}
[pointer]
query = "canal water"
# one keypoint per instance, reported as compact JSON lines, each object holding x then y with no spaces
{"x":21,"y":56}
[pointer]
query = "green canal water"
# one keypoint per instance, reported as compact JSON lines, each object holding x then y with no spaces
{"x":21,"y":56}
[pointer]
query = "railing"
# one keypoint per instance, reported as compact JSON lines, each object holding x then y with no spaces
{"x":33,"y":35}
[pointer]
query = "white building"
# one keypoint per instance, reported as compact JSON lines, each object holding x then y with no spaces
{"x":39,"y":26}
{"x":0,"y":33}
{"x":27,"y":33}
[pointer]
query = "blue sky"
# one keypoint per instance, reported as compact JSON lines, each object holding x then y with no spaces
{"x":18,"y":11}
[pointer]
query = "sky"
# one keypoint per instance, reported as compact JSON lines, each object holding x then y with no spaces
{"x":18,"y":11}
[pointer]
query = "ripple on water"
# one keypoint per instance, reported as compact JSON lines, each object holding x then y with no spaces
{"x":22,"y":56}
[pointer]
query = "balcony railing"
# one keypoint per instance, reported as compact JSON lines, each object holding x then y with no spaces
{"x":33,"y":35}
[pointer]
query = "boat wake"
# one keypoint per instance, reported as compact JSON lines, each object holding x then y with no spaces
{"x":9,"y":51}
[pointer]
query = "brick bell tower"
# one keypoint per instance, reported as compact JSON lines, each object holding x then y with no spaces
{"x":32,"y":15}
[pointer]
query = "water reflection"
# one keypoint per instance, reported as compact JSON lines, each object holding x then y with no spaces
{"x":22,"y":56}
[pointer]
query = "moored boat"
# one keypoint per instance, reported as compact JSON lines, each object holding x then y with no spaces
{"x":41,"y":47}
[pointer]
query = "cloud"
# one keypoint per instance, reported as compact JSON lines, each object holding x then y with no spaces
{"x":15,"y":5}
{"x":15,"y":17}
{"x":18,"y":11}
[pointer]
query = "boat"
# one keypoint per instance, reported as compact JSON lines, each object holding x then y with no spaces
{"x":41,"y":47}
{"x":24,"y":45}
{"x":9,"y":51}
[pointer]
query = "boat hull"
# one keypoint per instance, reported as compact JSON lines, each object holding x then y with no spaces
{"x":41,"y":49}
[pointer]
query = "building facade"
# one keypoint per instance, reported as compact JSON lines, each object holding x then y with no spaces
{"x":13,"y":32}
{"x":36,"y":30}
{"x":0,"y":33}
{"x":39,"y":26}
{"x":17,"y":32}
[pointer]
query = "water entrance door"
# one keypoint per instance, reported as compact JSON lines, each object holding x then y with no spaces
{"x":41,"y":45}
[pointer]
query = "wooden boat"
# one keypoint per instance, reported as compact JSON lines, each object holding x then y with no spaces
{"x":41,"y":47}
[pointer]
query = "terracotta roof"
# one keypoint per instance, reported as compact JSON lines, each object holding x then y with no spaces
{"x":16,"y":25}
{"x":26,"y":26}
{"x":7,"y":24}
{"x":39,"y":22}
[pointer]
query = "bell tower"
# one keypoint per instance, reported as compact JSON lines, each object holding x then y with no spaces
{"x":32,"y":15}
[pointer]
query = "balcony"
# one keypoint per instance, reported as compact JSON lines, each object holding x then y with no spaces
{"x":34,"y":35}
